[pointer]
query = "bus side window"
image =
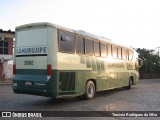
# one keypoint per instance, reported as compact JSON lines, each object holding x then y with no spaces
{"x":66,"y":42}
{"x":109,"y":46}
{"x":127,"y":54}
{"x":88,"y":47}
{"x":124,"y":54}
{"x":80,"y":45}
{"x":114,"y":52}
{"x":130,"y":55}
{"x":96,"y":48}
{"x":103,"y":50}
{"x":119,"y":53}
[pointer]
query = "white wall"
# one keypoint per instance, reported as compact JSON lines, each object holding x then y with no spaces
{"x":10,"y":71}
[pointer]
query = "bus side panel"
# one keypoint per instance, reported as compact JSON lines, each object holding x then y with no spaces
{"x":52,"y":47}
{"x":79,"y":83}
{"x":52,"y":60}
{"x":52,"y":85}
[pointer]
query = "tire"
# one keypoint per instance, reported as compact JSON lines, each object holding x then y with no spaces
{"x":90,"y":90}
{"x":129,"y":84}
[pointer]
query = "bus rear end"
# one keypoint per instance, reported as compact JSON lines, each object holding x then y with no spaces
{"x":31,"y":70}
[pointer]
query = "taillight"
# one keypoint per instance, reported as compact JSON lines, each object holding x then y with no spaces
{"x":49,"y":70}
{"x":14,"y":69}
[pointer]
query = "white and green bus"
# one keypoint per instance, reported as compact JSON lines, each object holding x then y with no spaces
{"x":54,"y":61}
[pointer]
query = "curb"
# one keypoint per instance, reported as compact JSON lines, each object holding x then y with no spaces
{"x":6,"y":82}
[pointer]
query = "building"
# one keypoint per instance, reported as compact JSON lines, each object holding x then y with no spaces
{"x":6,"y":51}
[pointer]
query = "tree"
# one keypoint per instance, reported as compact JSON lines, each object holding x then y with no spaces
{"x":151,"y":61}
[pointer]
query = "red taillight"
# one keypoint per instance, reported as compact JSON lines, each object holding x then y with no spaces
{"x":14,"y":69}
{"x":49,"y":70}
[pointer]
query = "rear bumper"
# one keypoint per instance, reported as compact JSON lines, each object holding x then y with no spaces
{"x":39,"y":83}
{"x":34,"y":91}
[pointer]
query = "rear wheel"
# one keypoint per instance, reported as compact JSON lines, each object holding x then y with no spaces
{"x":129,"y":84}
{"x":90,"y":90}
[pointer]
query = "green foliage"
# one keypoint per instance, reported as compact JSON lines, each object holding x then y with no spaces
{"x":151,"y":61}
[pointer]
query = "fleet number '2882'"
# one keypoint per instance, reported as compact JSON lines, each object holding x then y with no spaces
{"x":28,"y":62}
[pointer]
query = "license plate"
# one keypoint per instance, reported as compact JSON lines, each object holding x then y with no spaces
{"x":28,"y":83}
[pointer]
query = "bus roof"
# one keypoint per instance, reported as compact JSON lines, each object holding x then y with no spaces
{"x":79,"y":32}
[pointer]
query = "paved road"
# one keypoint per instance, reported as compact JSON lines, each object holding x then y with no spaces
{"x":145,"y":96}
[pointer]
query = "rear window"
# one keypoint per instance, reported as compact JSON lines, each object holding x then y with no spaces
{"x":36,"y":36}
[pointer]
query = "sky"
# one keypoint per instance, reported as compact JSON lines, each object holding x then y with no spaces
{"x":133,"y":23}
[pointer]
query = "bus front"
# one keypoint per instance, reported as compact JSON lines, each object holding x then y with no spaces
{"x":31,"y":69}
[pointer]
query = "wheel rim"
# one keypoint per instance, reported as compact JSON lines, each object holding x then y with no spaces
{"x":90,"y":90}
